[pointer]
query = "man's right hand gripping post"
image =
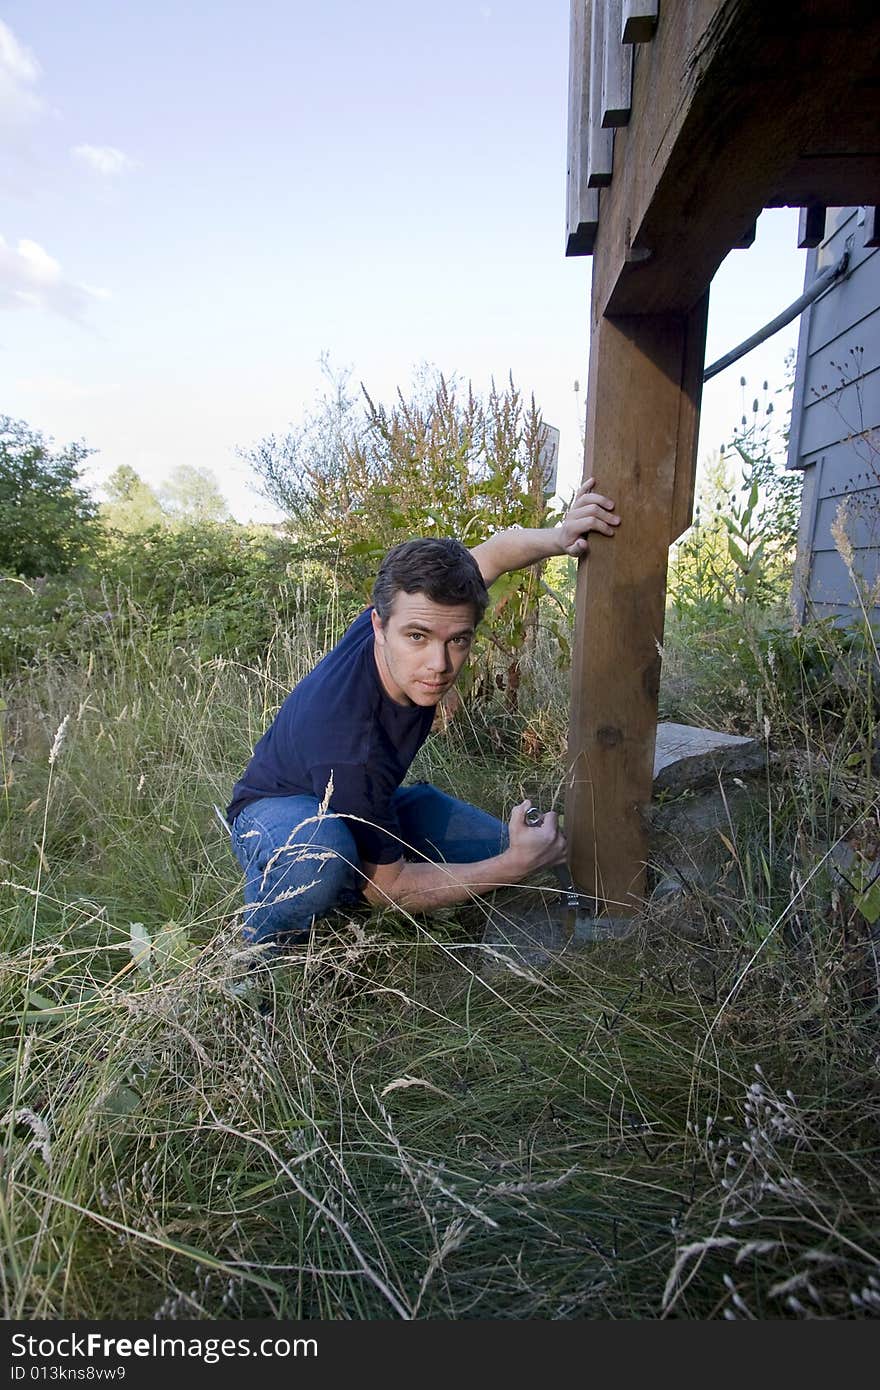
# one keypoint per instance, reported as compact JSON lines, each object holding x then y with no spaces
{"x":536,"y":840}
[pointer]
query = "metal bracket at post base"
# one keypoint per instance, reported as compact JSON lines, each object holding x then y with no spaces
{"x":587,"y":922}
{"x":581,"y":910}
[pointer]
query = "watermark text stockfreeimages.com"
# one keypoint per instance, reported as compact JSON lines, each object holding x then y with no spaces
{"x":92,"y":1346}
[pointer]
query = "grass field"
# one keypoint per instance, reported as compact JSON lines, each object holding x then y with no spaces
{"x":682,"y":1124}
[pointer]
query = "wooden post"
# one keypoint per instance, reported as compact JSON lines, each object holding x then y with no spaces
{"x":642,"y":412}
{"x":732,"y":111}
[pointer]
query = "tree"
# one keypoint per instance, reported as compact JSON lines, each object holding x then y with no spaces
{"x":192,"y":494}
{"x":47,"y":521}
{"x":131,"y":505}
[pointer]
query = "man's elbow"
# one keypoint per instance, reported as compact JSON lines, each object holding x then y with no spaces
{"x":376,"y":897}
{"x":381,"y":883}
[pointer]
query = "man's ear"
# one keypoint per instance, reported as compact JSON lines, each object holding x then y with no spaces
{"x":378,"y":628}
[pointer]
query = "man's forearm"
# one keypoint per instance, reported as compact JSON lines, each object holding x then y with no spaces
{"x":513,"y":550}
{"x":422,"y":887}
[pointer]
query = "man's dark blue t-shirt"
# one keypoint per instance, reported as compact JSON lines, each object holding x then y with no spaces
{"x":339,"y":723}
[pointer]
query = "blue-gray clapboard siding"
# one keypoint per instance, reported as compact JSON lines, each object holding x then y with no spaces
{"x":835,"y":428}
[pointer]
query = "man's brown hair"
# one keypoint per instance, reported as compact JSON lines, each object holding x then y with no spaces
{"x":444,"y":571}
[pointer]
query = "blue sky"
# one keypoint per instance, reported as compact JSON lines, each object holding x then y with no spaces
{"x":198,"y":200}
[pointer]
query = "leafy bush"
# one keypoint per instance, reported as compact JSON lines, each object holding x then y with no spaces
{"x":62,"y":615}
{"x":354,"y":483}
{"x":47,"y":522}
{"x":221,"y":588}
{"x":745,"y":551}
{"x":218,"y":588}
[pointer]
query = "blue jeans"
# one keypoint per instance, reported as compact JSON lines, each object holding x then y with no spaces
{"x":299,"y":865}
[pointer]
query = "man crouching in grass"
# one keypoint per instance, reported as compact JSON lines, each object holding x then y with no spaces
{"x":320,"y":818}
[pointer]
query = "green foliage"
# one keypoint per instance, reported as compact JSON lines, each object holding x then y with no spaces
{"x":674,"y":1125}
{"x":216,"y":588}
{"x":733,"y":668}
{"x":131,"y":504}
{"x":657,"y":1127}
{"x":47,"y":521}
{"x":168,"y":953}
{"x":61,"y":615}
{"x":191,"y":495}
{"x":744,"y":552}
{"x":441,"y":463}
{"x":733,"y":652}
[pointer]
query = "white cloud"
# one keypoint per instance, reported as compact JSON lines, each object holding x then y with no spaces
{"x":103,"y":159}
{"x":19,"y":72}
{"x":31,"y":278}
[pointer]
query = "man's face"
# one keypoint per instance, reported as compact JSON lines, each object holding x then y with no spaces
{"x":422,"y":647}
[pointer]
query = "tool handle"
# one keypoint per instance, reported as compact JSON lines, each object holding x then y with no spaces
{"x":573,"y":900}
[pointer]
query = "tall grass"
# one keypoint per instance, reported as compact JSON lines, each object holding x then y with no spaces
{"x":681,"y":1124}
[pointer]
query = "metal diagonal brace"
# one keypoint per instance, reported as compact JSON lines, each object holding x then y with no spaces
{"x":818,"y":286}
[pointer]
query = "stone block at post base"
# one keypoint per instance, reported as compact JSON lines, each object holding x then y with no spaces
{"x":688,"y":759}
{"x":701,"y":785}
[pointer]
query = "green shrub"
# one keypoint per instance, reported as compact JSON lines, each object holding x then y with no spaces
{"x":441,"y":463}
{"x":61,"y":615}
{"x":47,"y":521}
{"x":216,"y":588}
{"x":742,"y":545}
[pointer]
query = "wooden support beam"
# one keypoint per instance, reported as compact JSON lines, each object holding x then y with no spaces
{"x":600,"y":141}
{"x":642,"y":414}
{"x":639,"y":21}
{"x":581,"y":201}
{"x":733,"y":108}
{"x":693,"y":362}
{"x":745,"y":241}
{"x":617,"y":67}
{"x":811,"y":225}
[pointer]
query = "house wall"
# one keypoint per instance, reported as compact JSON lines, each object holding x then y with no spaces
{"x":835,"y":428}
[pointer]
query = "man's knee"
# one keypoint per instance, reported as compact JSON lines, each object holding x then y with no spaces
{"x":303,"y":878}
{"x":322,"y":846}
